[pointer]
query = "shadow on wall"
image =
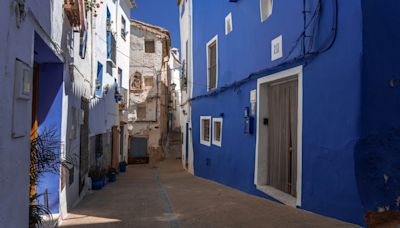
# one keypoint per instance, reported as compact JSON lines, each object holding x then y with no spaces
{"x":377,"y":164}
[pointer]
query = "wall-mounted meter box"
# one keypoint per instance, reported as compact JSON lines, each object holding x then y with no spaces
{"x":248,"y":122}
{"x":22,"y":96}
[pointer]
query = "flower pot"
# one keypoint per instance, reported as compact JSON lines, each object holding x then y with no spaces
{"x":122,"y":167}
{"x":112,"y":177}
{"x":97,"y":184}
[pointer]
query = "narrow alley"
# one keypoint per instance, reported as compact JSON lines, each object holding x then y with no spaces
{"x":168,"y":196}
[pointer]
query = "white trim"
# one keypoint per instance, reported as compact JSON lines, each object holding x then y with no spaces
{"x":214,"y":141}
{"x":202,"y":141}
{"x":214,"y":39}
{"x":279,"y":195}
{"x":228,"y":18}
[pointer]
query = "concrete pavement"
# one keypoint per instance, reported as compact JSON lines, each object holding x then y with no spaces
{"x":168,"y":196}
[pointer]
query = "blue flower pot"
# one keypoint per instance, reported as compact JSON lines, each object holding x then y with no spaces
{"x":112,"y":177}
{"x":97,"y":184}
{"x":122,"y":168}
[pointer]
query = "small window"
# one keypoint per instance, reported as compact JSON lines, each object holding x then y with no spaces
{"x":120,"y":77}
{"x":228,"y":24}
{"x":205,"y":130}
{"x":212,"y":63}
{"x":183,"y":8}
{"x":217,"y":132}
{"x":123,"y":28}
{"x":99,"y":80}
{"x":266,"y":9}
{"x":149,"y":81}
{"x":149,"y":46}
{"x":141,"y":111}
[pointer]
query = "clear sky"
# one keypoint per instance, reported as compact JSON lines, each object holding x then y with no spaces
{"x":164,"y":13}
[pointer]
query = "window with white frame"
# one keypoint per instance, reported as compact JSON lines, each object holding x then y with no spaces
{"x":205,"y":130}
{"x":123,"y":28}
{"x":217,"y":131}
{"x":266,"y":9}
{"x":228,"y":24}
{"x":212,"y":63}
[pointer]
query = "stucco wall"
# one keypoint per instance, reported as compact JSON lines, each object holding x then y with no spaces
{"x":331,"y":98}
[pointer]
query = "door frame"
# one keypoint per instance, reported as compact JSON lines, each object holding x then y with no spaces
{"x":260,"y":170}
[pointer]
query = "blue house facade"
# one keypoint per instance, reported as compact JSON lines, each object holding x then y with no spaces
{"x":298,"y":102}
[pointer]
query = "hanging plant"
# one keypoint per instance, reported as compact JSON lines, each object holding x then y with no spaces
{"x":93,"y":5}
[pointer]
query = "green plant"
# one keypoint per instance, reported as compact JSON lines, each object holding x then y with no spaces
{"x":97,"y":173}
{"x":45,"y":157}
{"x":92,"y":5}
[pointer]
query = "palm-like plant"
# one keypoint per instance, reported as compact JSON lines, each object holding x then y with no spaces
{"x":45,"y":158}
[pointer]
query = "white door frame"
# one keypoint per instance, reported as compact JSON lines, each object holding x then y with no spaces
{"x":261,"y":145}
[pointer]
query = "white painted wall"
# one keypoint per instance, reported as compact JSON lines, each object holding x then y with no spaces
{"x":185,"y":22}
{"x":47,"y":19}
{"x":44,"y":17}
{"x":175,"y":74}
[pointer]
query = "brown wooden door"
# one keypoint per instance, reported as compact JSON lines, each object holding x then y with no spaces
{"x":115,"y":148}
{"x":282,"y":135}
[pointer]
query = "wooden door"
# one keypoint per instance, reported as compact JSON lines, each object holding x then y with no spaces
{"x":282,"y":135}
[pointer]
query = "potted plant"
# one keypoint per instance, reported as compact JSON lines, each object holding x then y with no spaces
{"x":45,"y":158}
{"x":98,"y":178}
{"x":122,"y":166}
{"x":112,"y":174}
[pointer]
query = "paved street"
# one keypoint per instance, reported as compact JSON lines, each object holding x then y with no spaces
{"x":168,"y":196}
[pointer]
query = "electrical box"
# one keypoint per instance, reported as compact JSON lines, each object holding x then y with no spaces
{"x":22,"y":96}
{"x":276,"y":48}
{"x":248,"y":122}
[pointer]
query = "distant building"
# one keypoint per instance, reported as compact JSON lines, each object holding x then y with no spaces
{"x":148,"y":90}
{"x":296,"y":101}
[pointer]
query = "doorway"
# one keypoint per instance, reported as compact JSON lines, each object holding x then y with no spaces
{"x":279,"y":138}
{"x":282,"y":135}
{"x":84,"y":149}
{"x":138,"y":150}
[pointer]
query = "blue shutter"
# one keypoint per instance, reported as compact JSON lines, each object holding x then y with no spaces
{"x":99,"y":83}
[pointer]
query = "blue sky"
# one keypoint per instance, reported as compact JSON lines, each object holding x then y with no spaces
{"x":164,"y":13}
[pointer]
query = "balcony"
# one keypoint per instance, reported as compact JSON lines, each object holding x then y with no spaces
{"x":111,"y":49}
{"x":73,"y":9}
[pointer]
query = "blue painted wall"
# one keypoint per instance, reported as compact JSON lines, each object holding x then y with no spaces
{"x":333,"y":97}
{"x":49,"y":117}
{"x":377,"y":155}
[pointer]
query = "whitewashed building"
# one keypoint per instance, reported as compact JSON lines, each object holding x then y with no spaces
{"x":186,"y":34}
{"x":49,"y":58}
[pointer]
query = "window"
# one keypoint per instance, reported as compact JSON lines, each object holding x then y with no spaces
{"x":183,"y":8}
{"x":120,"y":77}
{"x":212,"y":63}
{"x":205,"y":130}
{"x":149,"y":46}
{"x":265,"y":9}
{"x":123,"y":28}
{"x":149,"y":81}
{"x":109,"y":68}
{"x":217,"y":132}
{"x":141,"y":111}
{"x":99,"y":79}
{"x":228,"y":24}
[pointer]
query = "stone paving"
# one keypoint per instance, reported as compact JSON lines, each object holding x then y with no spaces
{"x":168,"y":196}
